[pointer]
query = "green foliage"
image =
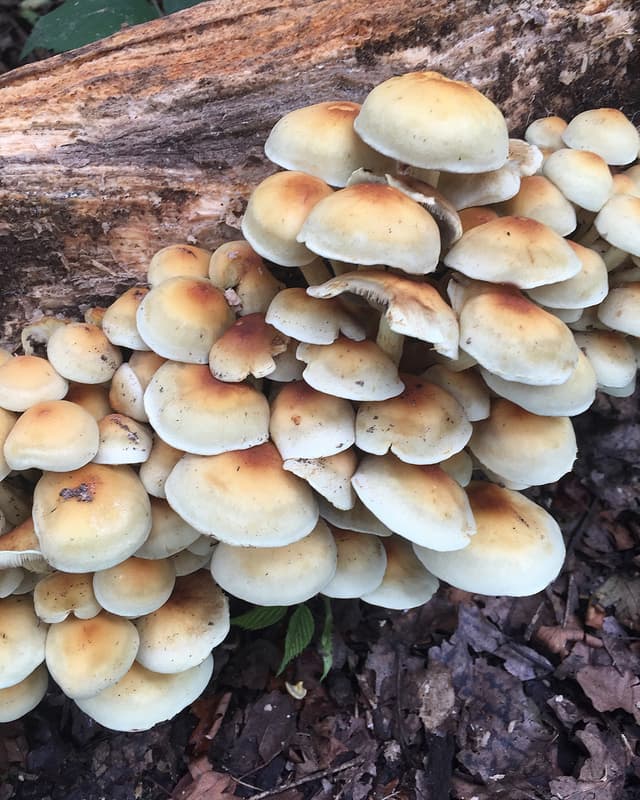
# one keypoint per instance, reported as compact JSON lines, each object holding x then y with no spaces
{"x":260,"y":617}
{"x":299,"y":634}
{"x":178,"y":5}
{"x":326,"y":639}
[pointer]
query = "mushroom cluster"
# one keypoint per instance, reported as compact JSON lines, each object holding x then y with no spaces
{"x":364,"y":435}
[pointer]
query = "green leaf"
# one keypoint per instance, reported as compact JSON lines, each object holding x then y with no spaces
{"x":79,"y":22}
{"x":178,"y":5}
{"x":326,"y":639}
{"x":259,"y":617}
{"x":299,"y":635}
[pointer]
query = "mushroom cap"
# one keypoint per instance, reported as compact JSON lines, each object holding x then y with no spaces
{"x":605,"y":131}
{"x":353,"y":370}
{"x":27,"y":380}
{"x":181,"y":318}
{"x":362,"y":561}
{"x":183,"y":631}
{"x":406,"y":583}
{"x":372,"y":223}
{"x":93,"y":397}
{"x":480,"y":188}
{"x":10,"y":580}
{"x":329,"y":476}
{"x":546,"y":132}
{"x":155,"y":470}
{"x":242,"y":497}
{"x":178,"y":260}
{"x":241,"y":273}
{"x":126,"y":394}
{"x":423,"y":425}
{"x":59,"y":594}
{"x":18,"y":700}
{"x":169,"y":532}
{"x":477,"y":215}
{"x":246,"y":348}
{"x":19,"y":547}
{"x":304,"y":317}
{"x":618,"y":222}
{"x":539,"y":199}
{"x":500,"y":441}
{"x":81,"y":352}
{"x":141,"y":698}
{"x":465,"y":385}
{"x":412,"y":308}
{"x":611,"y":355}
{"x":427,"y":120}
{"x":620,"y":310}
{"x":135,"y":586}
{"x":583,"y":177}
{"x":517,"y":551}
{"x":277,"y":576}
{"x":288,"y":368}
{"x":275,"y":213}
{"x":119,"y":321}
{"x":319,"y":139}
{"x":123,"y":440}
{"x":459,"y":466}
{"x":85,"y":656}
{"x":193,"y":411}
{"x":22,"y":638}
{"x":515,"y":250}
{"x":587,"y":288}
{"x":306,"y":423}
{"x":91,"y":518}
{"x":356,"y":518}
{"x":7,"y":421}
{"x":420,"y":502}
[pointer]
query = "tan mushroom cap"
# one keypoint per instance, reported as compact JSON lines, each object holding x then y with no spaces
{"x":183,"y":631}
{"x":123,"y":440}
{"x":611,"y":355}
{"x":275,"y":213}
{"x":54,"y":435}
{"x":566,"y":399}
{"x":169,"y":532}
{"x":186,"y":563}
{"x":423,"y":425}
{"x":517,"y":551}
{"x":27,"y":380}
{"x":94,"y":398}
{"x":427,"y":120}
{"x":465,"y":385}
{"x":155,"y":470}
{"x":60,"y":593}
{"x":515,"y":339}
{"x":583,"y":177}
{"x":480,"y":188}
{"x":372,"y":223}
{"x":329,"y":476}
{"x":19,"y":547}
{"x":119,"y":321}
{"x":618,"y":223}
{"x":135,"y":586}
{"x":546,"y":132}
{"x":296,"y":313}
{"x":353,"y":370}
{"x":620,"y":311}
{"x":10,"y":580}
{"x":588,"y":288}
{"x":243,"y":497}
{"x":624,"y":184}
{"x":539,"y":199}
{"x":525,"y":448}
{"x":242,"y":275}
{"x":420,"y":502}
{"x":193,"y":411}
{"x":515,"y":250}
{"x":357,"y":518}
{"x":91,"y":518}
{"x":18,"y":700}
{"x":142,"y":698}
{"x":406,"y":583}
{"x":246,"y":348}
{"x":81,"y":352}
{"x":320,"y":140}
{"x":476,"y":215}
{"x":178,"y":260}
{"x":126,"y":395}
{"x":412,"y":308}
{"x":7,"y":421}
{"x":306,"y":423}
{"x":85,"y":656}
{"x":605,"y":131}
{"x":362,"y":561}
{"x":277,"y":576}
{"x":22,"y":638}
{"x":181,"y":318}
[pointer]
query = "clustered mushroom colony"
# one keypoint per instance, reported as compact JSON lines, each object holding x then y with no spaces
{"x":219,"y":432}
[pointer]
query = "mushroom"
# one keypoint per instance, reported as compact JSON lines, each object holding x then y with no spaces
{"x":605,"y":131}
{"x":135,"y":586}
{"x":24,"y":696}
{"x":247,"y":348}
{"x":119,"y":321}
{"x":81,"y":352}
{"x":60,"y":593}
{"x":22,"y":638}
{"x":27,"y":380}
{"x":362,"y":561}
{"x":123,"y":440}
{"x":178,"y":260}
{"x":539,"y":199}
{"x":406,"y":583}
{"x":242,"y":275}
{"x":329,"y":476}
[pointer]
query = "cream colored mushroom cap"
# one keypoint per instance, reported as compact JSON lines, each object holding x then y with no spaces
{"x":541,"y":200}
{"x":459,"y":467}
{"x":7,"y":421}
{"x":277,"y":576}
{"x":93,"y":397}
{"x":248,"y":347}
{"x":18,"y":700}
{"x":241,"y":273}
{"x":406,"y":583}
{"x":60,"y":593}
{"x":465,"y":385}
{"x":155,"y":470}
{"x":85,"y":656}
{"x":306,"y":318}
{"x":183,"y":631}
{"x":372,"y":223}
{"x":583,"y":177}
{"x":427,"y":120}
{"x":135,"y":586}
{"x":119,"y":321}
{"x":142,"y":698}
{"x":546,"y":132}
{"x":618,"y":222}
{"x":178,"y":260}
{"x":27,"y":380}
{"x":123,"y":440}
{"x":10,"y":580}
{"x":588,"y":288}
{"x":501,"y":441}
{"x":480,"y":188}
{"x":515,"y":250}
{"x":169,"y":532}
{"x":611,"y":355}
{"x":191,"y":410}
{"x":243,"y":497}
{"x":329,"y":476}
{"x":423,"y":425}
{"x":605,"y":131}
{"x":81,"y":352}
{"x":517,"y":551}
{"x":91,"y":518}
{"x":356,"y":518}
{"x":19,"y":547}
{"x":22,"y":638}
{"x":422,"y":503}
{"x":362,"y":561}
{"x":275,"y":213}
{"x":620,"y":310}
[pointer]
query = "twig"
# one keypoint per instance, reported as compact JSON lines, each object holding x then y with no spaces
{"x":314,"y":776}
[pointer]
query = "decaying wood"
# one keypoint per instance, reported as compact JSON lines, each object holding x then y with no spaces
{"x":155,"y":134}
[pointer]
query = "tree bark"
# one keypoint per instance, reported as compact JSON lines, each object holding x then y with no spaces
{"x":155,"y":135}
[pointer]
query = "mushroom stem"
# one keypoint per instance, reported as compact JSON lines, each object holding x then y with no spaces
{"x":316,"y":272}
{"x":613,"y":257}
{"x":391,"y":342}
{"x":590,"y":236}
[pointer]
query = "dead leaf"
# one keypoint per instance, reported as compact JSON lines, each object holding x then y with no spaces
{"x":556,"y":638}
{"x":623,"y":593}
{"x":608,"y":689}
{"x":438,"y":698}
{"x":210,"y":712}
{"x":208,"y":786}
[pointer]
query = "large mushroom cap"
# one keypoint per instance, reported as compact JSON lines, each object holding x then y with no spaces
{"x":61,"y":593}
{"x":134,"y":587}
{"x":81,"y":352}
{"x":27,"y":380}
{"x":362,"y":561}
{"x":18,"y":700}
{"x":605,"y":131}
{"x":22,"y":639}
